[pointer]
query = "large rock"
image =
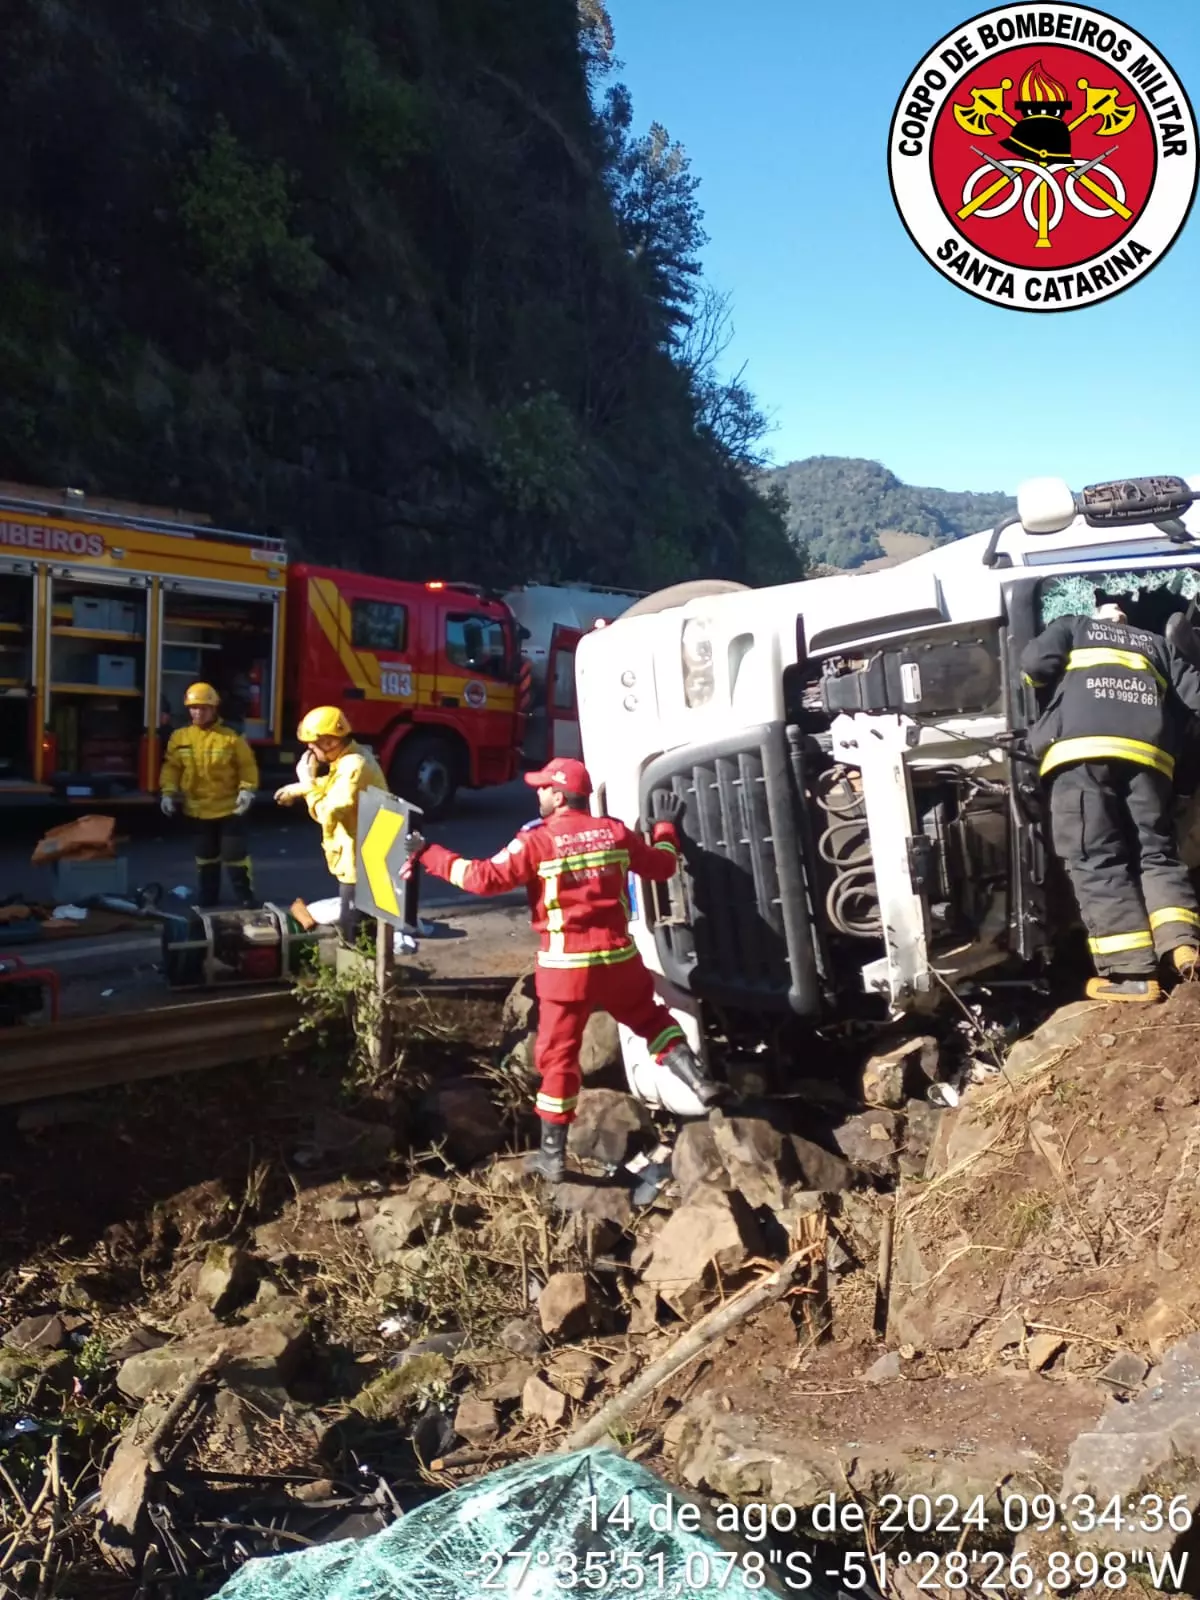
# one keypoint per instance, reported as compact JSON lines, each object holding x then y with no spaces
{"x":716,"y":1235}
{"x":759,"y":1161}
{"x":227,"y":1277}
{"x":121,"y":1520}
{"x":1058,"y":1034}
{"x":566,"y":1308}
{"x":1147,"y":1445}
{"x":912,"y":1439}
{"x":869,"y":1142}
{"x":542,"y":1403}
{"x":355,"y":1146}
{"x":820,"y":1168}
{"x":403,"y":1218}
{"x":261,"y":1355}
{"x":600,"y":1060}
{"x":696,"y":1162}
{"x":939,"y":1304}
{"x":405,"y":1390}
{"x":459,"y":1115}
{"x":890,"y":1076}
{"x":609,"y":1127}
{"x":572,"y":1372}
{"x":41,"y":1333}
{"x":519,"y":1014}
{"x":476,"y":1420}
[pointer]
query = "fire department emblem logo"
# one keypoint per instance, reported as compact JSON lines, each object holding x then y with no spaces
{"x":1043,"y":156}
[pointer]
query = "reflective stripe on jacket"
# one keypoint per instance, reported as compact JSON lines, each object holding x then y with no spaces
{"x":1117,"y":691}
{"x":332,"y":801}
{"x":574,"y":868}
{"x":208,"y":767}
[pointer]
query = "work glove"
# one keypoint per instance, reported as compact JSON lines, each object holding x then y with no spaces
{"x":289,"y":792}
{"x":169,"y":805}
{"x":306,"y":769}
{"x":414,"y":847}
{"x":243,"y":802}
{"x":672,"y":810}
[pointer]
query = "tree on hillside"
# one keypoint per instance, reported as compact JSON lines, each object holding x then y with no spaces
{"x":653,"y":196}
{"x":725,"y":407}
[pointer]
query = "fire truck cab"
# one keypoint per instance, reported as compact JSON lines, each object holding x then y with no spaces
{"x":426,"y":672}
{"x":865,"y":828}
{"x":108,"y":611}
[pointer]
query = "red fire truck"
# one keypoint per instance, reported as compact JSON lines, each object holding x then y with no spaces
{"x":109,"y":611}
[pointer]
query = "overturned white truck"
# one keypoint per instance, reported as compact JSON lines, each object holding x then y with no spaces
{"x":864,"y":824}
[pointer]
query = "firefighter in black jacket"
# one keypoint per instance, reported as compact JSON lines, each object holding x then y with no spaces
{"x":1105,"y":745}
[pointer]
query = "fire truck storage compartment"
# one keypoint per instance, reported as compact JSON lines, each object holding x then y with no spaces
{"x":223,"y":639}
{"x":924,"y":679}
{"x":97,"y":659}
{"x":16,"y":673}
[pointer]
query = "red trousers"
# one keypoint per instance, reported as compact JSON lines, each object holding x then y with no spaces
{"x":626,"y":992}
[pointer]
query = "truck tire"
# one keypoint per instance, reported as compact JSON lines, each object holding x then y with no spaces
{"x":678,"y":594}
{"x":426,"y":770}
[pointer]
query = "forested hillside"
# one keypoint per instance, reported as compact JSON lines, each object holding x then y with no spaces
{"x":837,"y":506}
{"x":399,"y":279}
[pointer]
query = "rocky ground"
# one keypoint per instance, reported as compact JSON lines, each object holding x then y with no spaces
{"x":242,"y":1310}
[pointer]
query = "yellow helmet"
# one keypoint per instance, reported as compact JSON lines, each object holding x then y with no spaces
{"x":201,"y":694}
{"x":323,"y":722}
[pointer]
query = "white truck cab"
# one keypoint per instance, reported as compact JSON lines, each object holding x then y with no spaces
{"x":863,"y":822}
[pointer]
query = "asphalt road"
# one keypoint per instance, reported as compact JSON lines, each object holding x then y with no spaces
{"x":284,"y":842}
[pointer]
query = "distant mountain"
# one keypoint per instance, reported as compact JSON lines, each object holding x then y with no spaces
{"x":839,"y":507}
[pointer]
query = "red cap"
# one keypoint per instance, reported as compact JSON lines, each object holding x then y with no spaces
{"x":568,"y":775}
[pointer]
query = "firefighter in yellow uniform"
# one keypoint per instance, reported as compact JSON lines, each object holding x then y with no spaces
{"x":332,"y":796}
{"x":209,"y":772}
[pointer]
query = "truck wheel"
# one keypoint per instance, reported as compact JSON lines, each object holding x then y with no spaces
{"x":425,"y":770}
{"x":678,"y":594}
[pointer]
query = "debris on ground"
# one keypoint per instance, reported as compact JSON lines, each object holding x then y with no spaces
{"x":248,"y":1309}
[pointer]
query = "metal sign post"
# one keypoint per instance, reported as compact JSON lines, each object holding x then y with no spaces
{"x":384,"y":822}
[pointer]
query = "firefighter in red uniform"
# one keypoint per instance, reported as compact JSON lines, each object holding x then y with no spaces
{"x":575,"y":868}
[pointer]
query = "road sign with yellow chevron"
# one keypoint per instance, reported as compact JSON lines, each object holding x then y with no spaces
{"x":383,"y":825}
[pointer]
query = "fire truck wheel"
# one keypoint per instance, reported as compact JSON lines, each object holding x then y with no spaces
{"x":425,"y":770}
{"x":678,"y":594}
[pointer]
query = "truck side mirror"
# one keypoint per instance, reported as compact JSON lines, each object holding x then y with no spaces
{"x":1046,"y":505}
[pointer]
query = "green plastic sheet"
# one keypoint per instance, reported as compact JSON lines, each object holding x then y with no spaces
{"x":527,"y":1530}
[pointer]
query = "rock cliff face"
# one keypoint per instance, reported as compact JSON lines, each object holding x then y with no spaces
{"x":347,"y":270}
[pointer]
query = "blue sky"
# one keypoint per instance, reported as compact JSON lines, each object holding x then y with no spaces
{"x":853,"y":343}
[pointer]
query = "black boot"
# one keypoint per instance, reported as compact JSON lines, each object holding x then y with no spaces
{"x":208,"y":884}
{"x":242,"y":884}
{"x":550,"y":1161}
{"x":680,"y":1060}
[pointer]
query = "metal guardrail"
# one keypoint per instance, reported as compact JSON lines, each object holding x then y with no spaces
{"x":221,"y":1030}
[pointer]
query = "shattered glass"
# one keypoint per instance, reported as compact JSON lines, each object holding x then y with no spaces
{"x":1074,"y":594}
{"x":528,"y":1530}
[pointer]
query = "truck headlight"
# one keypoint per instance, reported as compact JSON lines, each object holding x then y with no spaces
{"x":695,"y":649}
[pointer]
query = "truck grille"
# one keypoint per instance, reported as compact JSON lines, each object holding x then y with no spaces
{"x":734,"y":926}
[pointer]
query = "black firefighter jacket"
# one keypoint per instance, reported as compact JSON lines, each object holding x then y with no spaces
{"x":1119,"y":694}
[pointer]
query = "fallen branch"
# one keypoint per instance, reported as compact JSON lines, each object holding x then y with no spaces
{"x":165,"y":1425}
{"x":689,"y":1345}
{"x":472,"y":1457}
